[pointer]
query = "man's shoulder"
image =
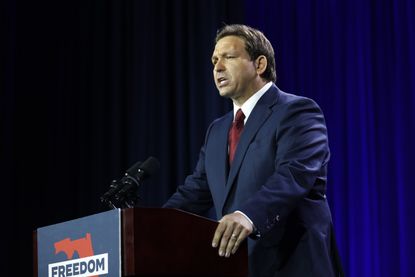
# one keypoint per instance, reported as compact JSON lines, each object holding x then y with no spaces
{"x":285,"y":97}
{"x":291,"y":99}
{"x":221,"y":121}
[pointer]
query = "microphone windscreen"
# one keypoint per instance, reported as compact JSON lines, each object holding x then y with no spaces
{"x":134,"y":168}
{"x":150,"y":166}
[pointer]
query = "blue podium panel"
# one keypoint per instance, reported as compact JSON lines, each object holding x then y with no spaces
{"x":88,"y":246}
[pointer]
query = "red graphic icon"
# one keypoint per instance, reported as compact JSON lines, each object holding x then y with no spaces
{"x":82,"y":246}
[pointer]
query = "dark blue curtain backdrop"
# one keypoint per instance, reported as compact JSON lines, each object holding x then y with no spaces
{"x":90,"y":87}
{"x":356,"y":59}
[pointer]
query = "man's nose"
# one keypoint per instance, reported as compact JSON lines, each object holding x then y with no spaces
{"x":219,"y":66}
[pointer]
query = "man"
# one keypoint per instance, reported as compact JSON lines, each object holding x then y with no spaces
{"x":263,"y":166}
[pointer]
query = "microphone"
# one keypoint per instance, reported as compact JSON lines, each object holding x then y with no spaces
{"x":138,"y":174}
{"x":145,"y":169}
{"x":123,"y":192}
{"x":116,"y":185}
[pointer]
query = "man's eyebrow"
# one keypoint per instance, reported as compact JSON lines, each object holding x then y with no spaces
{"x":223,"y":54}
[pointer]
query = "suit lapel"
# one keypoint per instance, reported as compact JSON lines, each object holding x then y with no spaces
{"x":258,"y":116}
{"x":222,"y":158}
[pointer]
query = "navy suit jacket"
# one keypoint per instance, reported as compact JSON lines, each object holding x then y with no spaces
{"x":277,"y":178}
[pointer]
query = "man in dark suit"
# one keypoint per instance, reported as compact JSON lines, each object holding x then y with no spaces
{"x":263,"y":166}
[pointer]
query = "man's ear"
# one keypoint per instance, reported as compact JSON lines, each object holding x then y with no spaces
{"x":261,"y":64}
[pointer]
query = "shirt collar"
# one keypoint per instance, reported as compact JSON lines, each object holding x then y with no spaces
{"x":249,"y":104}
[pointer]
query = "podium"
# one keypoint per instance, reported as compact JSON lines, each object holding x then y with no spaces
{"x":144,"y":242}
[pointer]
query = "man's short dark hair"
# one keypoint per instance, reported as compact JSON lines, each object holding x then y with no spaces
{"x":256,"y":44}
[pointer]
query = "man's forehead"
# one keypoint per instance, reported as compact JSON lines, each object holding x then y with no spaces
{"x":228,"y":43}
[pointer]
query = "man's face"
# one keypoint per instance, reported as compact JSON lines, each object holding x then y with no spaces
{"x":233,"y":70}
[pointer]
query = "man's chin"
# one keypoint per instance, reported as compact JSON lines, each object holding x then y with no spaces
{"x":225,"y":93}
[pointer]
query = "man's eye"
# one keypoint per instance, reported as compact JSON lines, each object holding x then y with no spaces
{"x":230,"y":57}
